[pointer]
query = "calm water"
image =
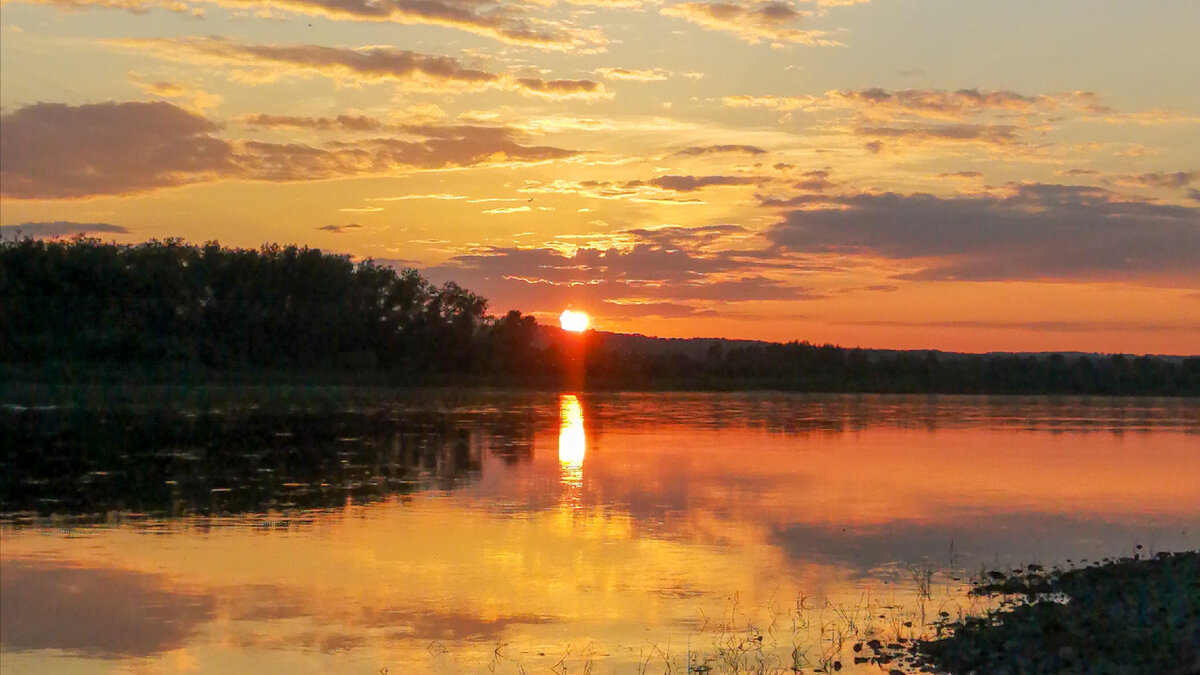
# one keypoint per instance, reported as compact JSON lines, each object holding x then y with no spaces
{"x":538,"y":533}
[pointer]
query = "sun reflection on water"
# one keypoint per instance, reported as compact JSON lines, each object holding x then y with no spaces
{"x":572,"y":441}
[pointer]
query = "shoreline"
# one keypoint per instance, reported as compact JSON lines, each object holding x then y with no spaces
{"x":24,"y":379}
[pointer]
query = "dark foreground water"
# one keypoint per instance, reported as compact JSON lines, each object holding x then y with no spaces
{"x":510,"y":533}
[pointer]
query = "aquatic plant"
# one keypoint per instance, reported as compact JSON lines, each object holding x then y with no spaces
{"x":1132,"y":615}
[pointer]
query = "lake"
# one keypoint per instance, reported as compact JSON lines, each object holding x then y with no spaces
{"x":499,"y":532}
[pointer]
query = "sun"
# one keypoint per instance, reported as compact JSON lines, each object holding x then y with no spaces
{"x":576,"y":322}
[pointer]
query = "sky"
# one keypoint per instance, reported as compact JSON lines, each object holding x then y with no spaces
{"x":965,"y":175}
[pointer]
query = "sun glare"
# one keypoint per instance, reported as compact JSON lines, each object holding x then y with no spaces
{"x":572,"y":440}
{"x":576,"y":322}
{"x":572,"y":446}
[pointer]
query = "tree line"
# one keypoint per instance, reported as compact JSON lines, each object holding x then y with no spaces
{"x":800,"y":366}
{"x":82,"y":301}
{"x":80,"y":304}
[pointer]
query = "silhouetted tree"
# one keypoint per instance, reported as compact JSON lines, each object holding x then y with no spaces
{"x":83,"y":301}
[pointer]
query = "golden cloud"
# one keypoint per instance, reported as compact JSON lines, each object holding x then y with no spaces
{"x":363,"y":65}
{"x":774,"y":21}
{"x":634,"y":75}
{"x":196,"y":100}
{"x":507,"y":22}
{"x":878,"y":103}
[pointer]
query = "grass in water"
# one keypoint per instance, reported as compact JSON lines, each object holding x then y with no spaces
{"x":1128,"y":616}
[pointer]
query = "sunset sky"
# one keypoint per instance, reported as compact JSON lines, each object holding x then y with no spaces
{"x":966,"y":175}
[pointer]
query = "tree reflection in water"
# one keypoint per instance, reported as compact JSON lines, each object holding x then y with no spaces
{"x":88,"y":463}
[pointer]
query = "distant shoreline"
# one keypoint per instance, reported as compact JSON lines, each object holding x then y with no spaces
{"x":24,"y":384}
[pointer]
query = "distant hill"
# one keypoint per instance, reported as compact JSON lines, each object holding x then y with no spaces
{"x":635,"y":343}
{"x":698,"y":348}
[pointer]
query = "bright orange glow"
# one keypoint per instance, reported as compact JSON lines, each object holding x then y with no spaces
{"x":572,"y":442}
{"x":576,"y":322}
{"x":572,"y":446}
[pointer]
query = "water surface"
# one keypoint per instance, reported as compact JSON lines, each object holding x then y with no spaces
{"x":500,"y":532}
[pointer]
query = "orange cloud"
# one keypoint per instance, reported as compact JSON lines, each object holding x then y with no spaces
{"x":693,"y":183}
{"x":699,"y":151}
{"x":1173,"y":181}
{"x":1149,"y":118}
{"x":196,"y":100}
{"x":878,"y":103}
{"x":426,"y":147}
{"x":815,"y":181}
{"x":341,"y":122}
{"x":561,"y":89}
{"x":654,"y":190}
{"x":506,"y":22}
{"x":365,"y":65}
{"x":134,"y":6}
{"x":999,"y":119}
{"x":773,"y":21}
{"x":988,"y":134}
{"x":634,"y":75}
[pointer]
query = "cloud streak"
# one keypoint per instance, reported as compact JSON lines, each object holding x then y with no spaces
{"x":693,"y":183}
{"x":705,"y":150}
{"x":988,"y":134}
{"x":773,"y":21}
{"x":1177,"y":180}
{"x":507,"y":22}
{"x":634,"y":74}
{"x":58,"y":228}
{"x":880,"y":104}
{"x":340,"y":229}
{"x":338,"y":123}
{"x":661,"y":189}
{"x":999,"y":119}
{"x":362,"y":65}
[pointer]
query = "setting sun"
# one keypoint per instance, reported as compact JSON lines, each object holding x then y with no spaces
{"x":576,"y":322}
